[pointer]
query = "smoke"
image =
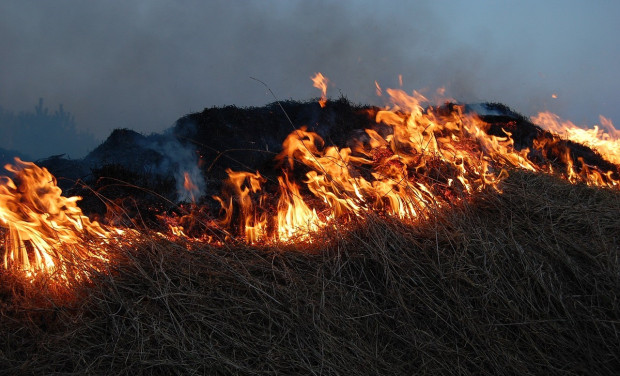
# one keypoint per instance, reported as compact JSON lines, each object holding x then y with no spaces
{"x":179,"y":161}
{"x":185,"y":164}
{"x":143,"y":64}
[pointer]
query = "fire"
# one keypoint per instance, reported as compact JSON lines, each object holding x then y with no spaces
{"x":605,"y":138}
{"x":413,"y":159}
{"x":391,"y":173}
{"x":320,"y":82}
{"x":44,"y":231}
{"x":238,"y":206}
{"x":189,"y":186}
{"x":294,"y":217}
{"x":432,"y":157}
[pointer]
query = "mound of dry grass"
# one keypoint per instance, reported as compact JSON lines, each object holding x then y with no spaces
{"x":523,"y":282}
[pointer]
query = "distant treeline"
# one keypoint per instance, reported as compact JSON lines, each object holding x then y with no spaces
{"x":42,"y":133}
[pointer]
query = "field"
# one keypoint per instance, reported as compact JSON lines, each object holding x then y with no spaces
{"x":526,"y":281}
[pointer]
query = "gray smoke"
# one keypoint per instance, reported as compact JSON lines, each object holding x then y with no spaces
{"x":143,"y":64}
{"x":179,"y":161}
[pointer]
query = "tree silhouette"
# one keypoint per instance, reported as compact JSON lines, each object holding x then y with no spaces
{"x":41,"y":133}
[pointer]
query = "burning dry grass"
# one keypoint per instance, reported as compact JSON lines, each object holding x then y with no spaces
{"x":523,"y":282}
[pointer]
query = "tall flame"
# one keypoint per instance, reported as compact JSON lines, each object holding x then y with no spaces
{"x":431,"y":157}
{"x":45,"y":231}
{"x":238,"y":189}
{"x":414,"y":159}
{"x":320,"y":82}
{"x":294,"y":217}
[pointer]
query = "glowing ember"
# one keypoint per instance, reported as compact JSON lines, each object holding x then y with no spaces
{"x":177,"y":231}
{"x":320,"y":82}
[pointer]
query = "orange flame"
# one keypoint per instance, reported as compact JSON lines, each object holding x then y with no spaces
{"x":45,"y":231}
{"x":416,"y":159}
{"x":320,"y":82}
{"x":294,"y":217}
{"x":237,"y":195}
{"x":378,"y":90}
{"x":189,"y":186}
{"x":604,"y":138}
{"x":432,"y":157}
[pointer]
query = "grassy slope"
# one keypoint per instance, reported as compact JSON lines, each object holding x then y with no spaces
{"x":524,"y":282}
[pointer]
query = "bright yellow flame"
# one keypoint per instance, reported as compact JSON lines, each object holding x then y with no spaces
{"x":294,"y":217}
{"x":46,"y":232}
{"x":431,"y":157}
{"x":605,"y":138}
{"x":416,"y":158}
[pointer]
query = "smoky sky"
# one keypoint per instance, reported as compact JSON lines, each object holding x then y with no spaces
{"x":144,"y":64}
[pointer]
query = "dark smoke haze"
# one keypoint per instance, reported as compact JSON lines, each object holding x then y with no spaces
{"x":143,"y":64}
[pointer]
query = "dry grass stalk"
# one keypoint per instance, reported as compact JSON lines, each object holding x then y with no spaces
{"x":524,"y":282}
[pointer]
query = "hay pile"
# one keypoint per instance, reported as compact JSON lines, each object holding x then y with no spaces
{"x":523,"y":282}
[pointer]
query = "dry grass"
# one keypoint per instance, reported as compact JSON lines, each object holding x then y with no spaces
{"x":526,"y":282}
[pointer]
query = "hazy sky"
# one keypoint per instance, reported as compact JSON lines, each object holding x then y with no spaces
{"x":143,"y":64}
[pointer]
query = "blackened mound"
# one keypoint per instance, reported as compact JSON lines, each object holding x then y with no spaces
{"x":249,"y":138}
